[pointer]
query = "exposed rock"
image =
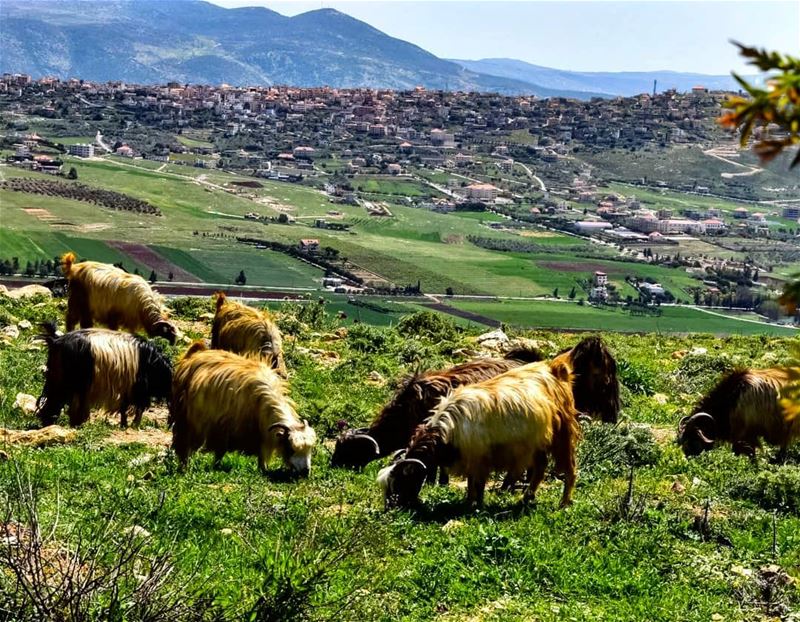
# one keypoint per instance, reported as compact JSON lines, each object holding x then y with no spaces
{"x":24,"y":325}
{"x":496,"y":336}
{"x":43,"y":437}
{"x":25,"y":402}
{"x":28,"y":291}
{"x":136,"y":531}
{"x":375,"y":378}
{"x":12,"y":332}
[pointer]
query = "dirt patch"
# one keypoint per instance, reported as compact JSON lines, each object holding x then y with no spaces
{"x":453,"y":239}
{"x":147,"y":256}
{"x":39,"y":214}
{"x":247,"y":184}
{"x":94,"y":226}
{"x":663,"y":436}
{"x":473,"y":317}
{"x":152,"y":437}
{"x":43,"y":437}
{"x":566,"y":266}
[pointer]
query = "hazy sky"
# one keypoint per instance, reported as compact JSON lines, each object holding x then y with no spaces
{"x":578,"y":35}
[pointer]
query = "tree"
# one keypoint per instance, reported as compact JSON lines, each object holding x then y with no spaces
{"x":153,"y":277}
{"x":241,"y":279}
{"x":73,"y":173}
{"x":572,"y":293}
{"x":776,"y":105}
{"x":555,"y":293}
{"x":170,"y":276}
{"x":448,"y":291}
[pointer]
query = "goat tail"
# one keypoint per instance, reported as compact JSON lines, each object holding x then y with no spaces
{"x":220,"y":298}
{"x":197,"y":346}
{"x":67,"y":259}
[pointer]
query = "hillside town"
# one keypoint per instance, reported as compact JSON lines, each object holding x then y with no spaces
{"x":535,"y":163}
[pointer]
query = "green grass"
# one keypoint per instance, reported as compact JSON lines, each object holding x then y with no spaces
{"x":30,"y":246}
{"x":323,"y":548}
{"x":565,"y":315}
{"x":391,"y":185}
{"x":262,"y":267}
{"x":189,"y":141}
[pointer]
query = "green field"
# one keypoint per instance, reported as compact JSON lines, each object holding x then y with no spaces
{"x":203,"y":213}
{"x":567,"y":315}
{"x":391,"y":185}
{"x":694,"y":540}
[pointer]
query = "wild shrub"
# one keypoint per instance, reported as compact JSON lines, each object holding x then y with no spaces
{"x":366,"y":338}
{"x":773,"y":489}
{"x":607,"y":450}
{"x":188,"y":308}
{"x":697,"y":373}
{"x":637,"y":377}
{"x":428,"y":325}
{"x":295,"y":318}
{"x":86,"y":572}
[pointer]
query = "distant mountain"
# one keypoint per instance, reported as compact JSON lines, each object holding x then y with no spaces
{"x":152,"y":41}
{"x":608,"y":83}
{"x":157,"y":41}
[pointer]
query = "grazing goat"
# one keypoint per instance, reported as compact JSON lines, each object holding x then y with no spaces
{"x":243,"y":330}
{"x":594,"y":386}
{"x":511,"y":422}
{"x":225,"y":402}
{"x":412,"y":404}
{"x":742,"y":408}
{"x":95,"y":367}
{"x":109,"y":295}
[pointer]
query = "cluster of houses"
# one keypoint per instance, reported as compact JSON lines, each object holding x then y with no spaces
{"x":27,"y":155}
{"x":427,"y":127}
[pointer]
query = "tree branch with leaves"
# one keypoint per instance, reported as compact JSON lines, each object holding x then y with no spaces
{"x":775,"y":107}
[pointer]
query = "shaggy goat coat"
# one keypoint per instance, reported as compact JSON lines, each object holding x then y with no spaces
{"x":742,"y":408}
{"x":511,"y":422}
{"x":412,"y":404}
{"x":106,"y":294}
{"x":99,"y":368}
{"x":225,"y":402}
{"x":243,"y":330}
{"x":594,"y":385}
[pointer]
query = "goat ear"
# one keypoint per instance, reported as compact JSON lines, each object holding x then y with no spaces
{"x":281,"y":429}
{"x":560,"y":370}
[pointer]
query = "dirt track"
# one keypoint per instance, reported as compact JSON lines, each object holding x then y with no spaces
{"x":181,"y":289}
{"x":472,"y":317}
{"x":147,"y":256}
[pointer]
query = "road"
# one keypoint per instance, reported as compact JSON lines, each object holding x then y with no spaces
{"x":751,"y":170}
{"x":99,"y":140}
{"x":534,"y":177}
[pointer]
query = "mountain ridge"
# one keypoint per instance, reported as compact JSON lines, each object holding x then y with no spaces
{"x":154,"y":41}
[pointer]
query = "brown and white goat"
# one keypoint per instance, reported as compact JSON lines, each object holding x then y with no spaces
{"x":243,"y":330}
{"x":103,"y":293}
{"x":412,"y":404}
{"x":743,"y":408}
{"x":100,"y":368}
{"x":225,"y":402}
{"x":511,"y":422}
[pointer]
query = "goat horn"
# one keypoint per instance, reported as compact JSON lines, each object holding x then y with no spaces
{"x":369,"y":438}
{"x":703,"y":420}
{"x":406,"y":461}
{"x":278,"y":425}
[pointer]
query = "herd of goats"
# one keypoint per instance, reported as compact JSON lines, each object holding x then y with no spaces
{"x":509,"y":415}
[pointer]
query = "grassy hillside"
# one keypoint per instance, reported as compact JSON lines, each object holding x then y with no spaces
{"x":694,"y":540}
